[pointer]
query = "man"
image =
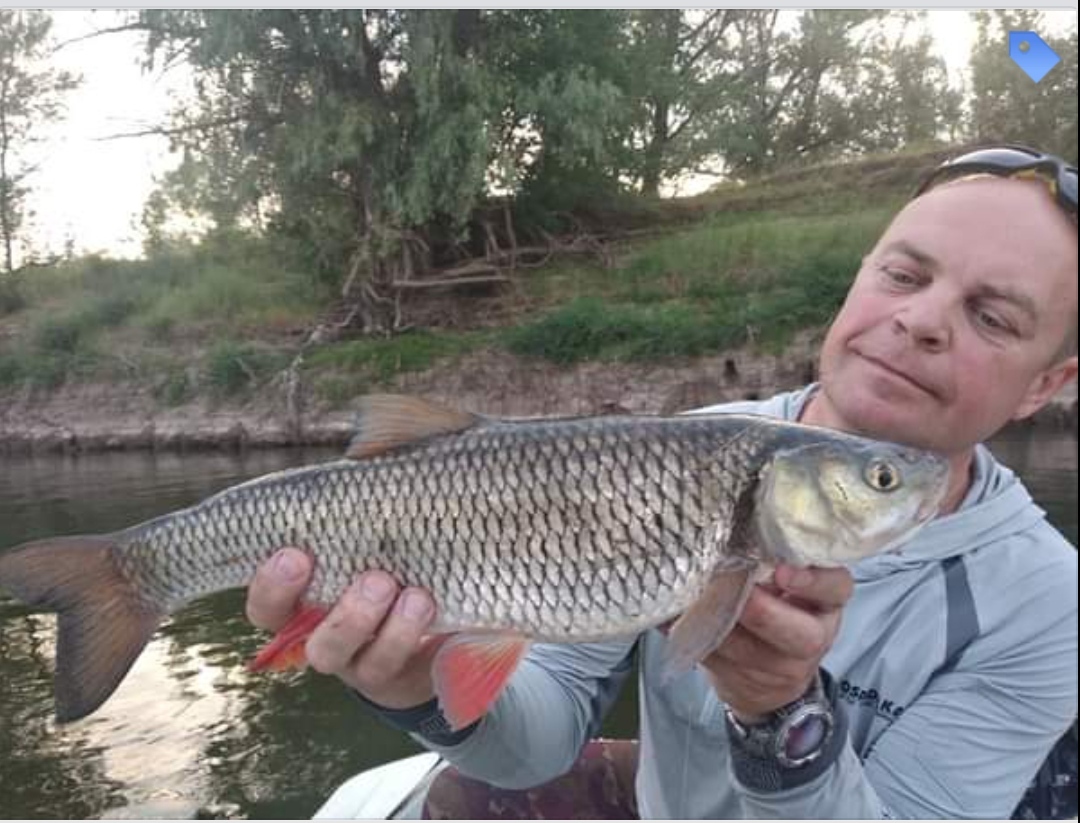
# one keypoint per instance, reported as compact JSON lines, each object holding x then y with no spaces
{"x":954,"y":670}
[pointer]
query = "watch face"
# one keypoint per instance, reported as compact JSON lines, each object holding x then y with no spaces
{"x":805,"y":739}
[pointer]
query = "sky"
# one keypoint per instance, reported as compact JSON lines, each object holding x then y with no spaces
{"x":90,"y":190}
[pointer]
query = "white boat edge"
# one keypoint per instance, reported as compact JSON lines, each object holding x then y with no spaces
{"x":382,"y":792}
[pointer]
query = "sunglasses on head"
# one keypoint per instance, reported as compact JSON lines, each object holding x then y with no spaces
{"x":1010,"y":161}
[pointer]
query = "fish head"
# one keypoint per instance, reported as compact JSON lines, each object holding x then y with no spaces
{"x":842,"y":498}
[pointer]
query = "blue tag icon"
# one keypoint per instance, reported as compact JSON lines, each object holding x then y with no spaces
{"x":1030,"y":53}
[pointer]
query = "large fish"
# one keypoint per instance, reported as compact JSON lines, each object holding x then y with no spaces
{"x":558,"y":530}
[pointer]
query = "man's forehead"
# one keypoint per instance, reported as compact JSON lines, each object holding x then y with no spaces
{"x":988,"y":197}
{"x":990,"y":215}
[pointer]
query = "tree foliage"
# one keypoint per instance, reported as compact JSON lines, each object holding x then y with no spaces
{"x":1007,"y":105}
{"x":902,"y":91}
{"x":372,"y":137}
{"x":31,"y":95}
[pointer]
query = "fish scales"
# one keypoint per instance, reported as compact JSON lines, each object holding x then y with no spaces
{"x":484,"y":520}
{"x":562,"y":530}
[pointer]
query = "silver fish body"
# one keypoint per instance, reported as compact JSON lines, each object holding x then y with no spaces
{"x":564,"y":530}
{"x":559,"y":530}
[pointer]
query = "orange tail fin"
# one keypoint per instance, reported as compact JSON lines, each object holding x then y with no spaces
{"x":102,"y":621}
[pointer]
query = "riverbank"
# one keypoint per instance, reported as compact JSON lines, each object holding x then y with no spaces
{"x":234,"y":343}
{"x":94,"y":417}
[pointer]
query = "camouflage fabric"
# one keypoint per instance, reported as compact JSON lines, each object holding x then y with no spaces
{"x":599,"y":786}
{"x":1052,"y":795}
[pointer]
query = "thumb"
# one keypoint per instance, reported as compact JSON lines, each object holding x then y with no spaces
{"x":277,"y":588}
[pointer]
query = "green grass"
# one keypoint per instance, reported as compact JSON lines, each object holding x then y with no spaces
{"x":187,"y":290}
{"x":93,"y":318}
{"x":220,"y":295}
{"x":697,"y":292}
{"x":174,"y":387}
{"x":45,"y":369}
{"x":342,"y":371}
{"x":232,"y":367}
{"x":376,"y":361}
{"x":589,"y":328}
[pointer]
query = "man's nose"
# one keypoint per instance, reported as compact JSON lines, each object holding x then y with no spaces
{"x":926,"y":323}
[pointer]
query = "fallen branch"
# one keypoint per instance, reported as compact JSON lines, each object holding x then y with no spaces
{"x":450,"y":282}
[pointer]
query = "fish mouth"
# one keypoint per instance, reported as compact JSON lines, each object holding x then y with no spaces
{"x":899,"y":374}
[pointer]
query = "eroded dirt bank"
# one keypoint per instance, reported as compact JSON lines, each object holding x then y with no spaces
{"x":85,"y":418}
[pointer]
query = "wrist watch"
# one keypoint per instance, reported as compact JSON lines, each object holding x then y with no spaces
{"x":794,"y":735}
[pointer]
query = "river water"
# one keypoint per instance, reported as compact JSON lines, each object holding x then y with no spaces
{"x":190,"y":733}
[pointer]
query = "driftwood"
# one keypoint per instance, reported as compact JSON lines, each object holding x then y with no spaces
{"x":499,"y":266}
{"x":452,"y":282}
{"x":406,"y":274}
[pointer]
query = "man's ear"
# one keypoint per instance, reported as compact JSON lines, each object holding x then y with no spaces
{"x":1043,"y":388}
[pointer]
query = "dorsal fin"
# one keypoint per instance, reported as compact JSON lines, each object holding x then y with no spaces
{"x":386,"y":421}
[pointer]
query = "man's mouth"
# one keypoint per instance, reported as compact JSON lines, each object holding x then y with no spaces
{"x":899,"y":375}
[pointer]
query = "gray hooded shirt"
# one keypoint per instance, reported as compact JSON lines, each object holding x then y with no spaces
{"x":954,"y":672}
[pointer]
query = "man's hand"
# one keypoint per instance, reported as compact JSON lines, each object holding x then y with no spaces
{"x":373,"y":638}
{"x":772,"y":655}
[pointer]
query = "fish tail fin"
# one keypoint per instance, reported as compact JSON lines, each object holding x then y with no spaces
{"x":102,"y":621}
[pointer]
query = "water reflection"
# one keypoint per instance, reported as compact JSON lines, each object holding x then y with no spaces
{"x":1047,"y":463}
{"x":44,"y":772}
{"x":190,"y":733}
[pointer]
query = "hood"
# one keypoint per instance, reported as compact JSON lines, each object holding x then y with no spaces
{"x":996,"y":506}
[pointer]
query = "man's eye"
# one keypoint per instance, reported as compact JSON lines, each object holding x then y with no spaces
{"x":901,"y":277}
{"x":990,"y":321}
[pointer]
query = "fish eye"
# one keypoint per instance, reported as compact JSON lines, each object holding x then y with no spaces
{"x":882,"y":476}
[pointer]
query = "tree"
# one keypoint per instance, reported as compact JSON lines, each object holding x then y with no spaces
{"x":797,"y":101}
{"x":900,"y":91}
{"x":1009,"y":106}
{"x":562,"y":117}
{"x":371,"y":135}
{"x":345,"y":129}
{"x":30,"y":98}
{"x":761,"y":89}
{"x":681,"y":79}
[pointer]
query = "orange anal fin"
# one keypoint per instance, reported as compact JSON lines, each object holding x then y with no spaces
{"x":470,"y":672}
{"x":286,"y":650}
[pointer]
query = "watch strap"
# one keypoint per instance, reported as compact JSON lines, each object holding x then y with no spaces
{"x":425,"y":721}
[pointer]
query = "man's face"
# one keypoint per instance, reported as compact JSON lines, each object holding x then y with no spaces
{"x":953,"y":322}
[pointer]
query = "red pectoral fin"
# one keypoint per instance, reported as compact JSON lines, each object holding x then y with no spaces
{"x":470,"y":672}
{"x":286,"y":650}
